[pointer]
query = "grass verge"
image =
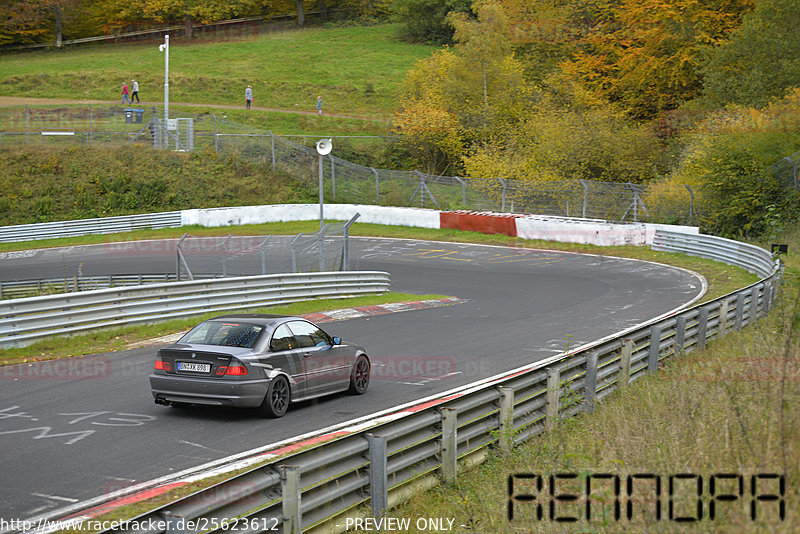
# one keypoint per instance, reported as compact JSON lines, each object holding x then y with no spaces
{"x":733,"y":408}
{"x":115,"y":339}
{"x":362,"y":71}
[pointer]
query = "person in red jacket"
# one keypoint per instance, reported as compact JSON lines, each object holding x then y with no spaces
{"x":125,"y":93}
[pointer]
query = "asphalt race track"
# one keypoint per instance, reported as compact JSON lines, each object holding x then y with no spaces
{"x":90,"y":426}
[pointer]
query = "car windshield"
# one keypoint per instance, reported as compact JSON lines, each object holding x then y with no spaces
{"x":224,"y":333}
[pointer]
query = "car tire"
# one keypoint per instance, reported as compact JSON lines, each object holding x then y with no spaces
{"x":359,"y":376}
{"x":276,"y":401}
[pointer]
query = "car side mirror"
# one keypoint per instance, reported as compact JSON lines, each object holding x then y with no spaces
{"x":337,"y":340}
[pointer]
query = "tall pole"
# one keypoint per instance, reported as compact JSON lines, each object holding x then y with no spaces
{"x":165,"y":49}
{"x":166,"y":77}
{"x":324,"y":147}
{"x":321,"y":196}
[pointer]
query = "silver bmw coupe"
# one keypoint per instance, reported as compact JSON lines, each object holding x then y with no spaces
{"x":257,"y":360}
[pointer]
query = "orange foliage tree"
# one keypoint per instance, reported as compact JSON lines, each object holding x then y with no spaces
{"x":646,"y":55}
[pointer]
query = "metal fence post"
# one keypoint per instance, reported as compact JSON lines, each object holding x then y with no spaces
{"x":767,"y":296}
{"x":225,"y":255}
{"x":173,"y":524}
{"x":290,"y":492}
{"x":216,"y":137}
{"x":680,"y":334}
{"x":272,"y":145}
{"x":585,"y":197}
{"x":346,"y":244}
{"x":551,"y":402}
{"x":590,"y":382}
{"x":377,"y":187}
{"x":449,"y":445}
{"x":739,"y":310}
{"x":702,"y":328}
{"x":753,"y":315}
{"x":655,"y":349}
{"x":263,"y":248}
{"x":503,"y":199}
{"x":723,"y":317}
{"x":506,"y":419}
{"x":463,"y":191}
{"x":625,"y":363}
{"x":27,"y":122}
{"x":378,"y":475}
{"x":91,"y":123}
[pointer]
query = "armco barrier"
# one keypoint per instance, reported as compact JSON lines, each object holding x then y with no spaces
{"x":749,"y":257}
{"x":23,"y":321}
{"x":31,"y":288}
{"x":104,"y":225}
{"x":410,"y":448}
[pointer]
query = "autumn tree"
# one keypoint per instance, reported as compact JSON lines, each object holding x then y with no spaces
{"x":646,"y":55}
{"x":36,"y":21}
{"x":541,"y":33}
{"x":568,"y":134}
{"x":460,"y":96}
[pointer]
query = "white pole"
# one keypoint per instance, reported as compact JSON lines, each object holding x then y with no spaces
{"x":165,"y":48}
{"x":321,"y":196}
{"x":166,"y":77}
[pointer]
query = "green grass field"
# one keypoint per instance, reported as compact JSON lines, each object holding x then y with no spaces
{"x":356,"y":70}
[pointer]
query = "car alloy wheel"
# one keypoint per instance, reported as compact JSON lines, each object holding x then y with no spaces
{"x":359,"y":377}
{"x":277,"y":399}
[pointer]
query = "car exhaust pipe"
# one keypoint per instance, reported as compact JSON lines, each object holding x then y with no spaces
{"x":162,"y":401}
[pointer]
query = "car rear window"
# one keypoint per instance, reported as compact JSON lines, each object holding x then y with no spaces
{"x":224,"y":333}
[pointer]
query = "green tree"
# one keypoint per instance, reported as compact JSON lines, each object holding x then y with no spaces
{"x":761,"y":61}
{"x":727,"y":160}
{"x":425,"y":21}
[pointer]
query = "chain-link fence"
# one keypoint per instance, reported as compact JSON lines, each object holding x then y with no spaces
{"x":786,"y":171}
{"x":349,"y":182}
{"x":195,"y":258}
{"x":236,"y":255}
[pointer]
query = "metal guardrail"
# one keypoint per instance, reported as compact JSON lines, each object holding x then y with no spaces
{"x":317,"y":488}
{"x":104,"y":225}
{"x":23,"y":321}
{"x":46,"y":286}
{"x":749,"y":257}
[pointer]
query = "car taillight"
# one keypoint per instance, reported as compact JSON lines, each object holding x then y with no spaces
{"x":236,"y":370}
{"x":163,"y":366}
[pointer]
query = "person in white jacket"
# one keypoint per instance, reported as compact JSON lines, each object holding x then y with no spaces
{"x":135,"y":91}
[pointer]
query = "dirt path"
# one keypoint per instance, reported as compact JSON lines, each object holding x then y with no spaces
{"x":22,"y":101}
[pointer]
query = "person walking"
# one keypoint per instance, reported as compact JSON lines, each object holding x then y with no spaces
{"x":248,"y":96}
{"x":319,"y":105}
{"x":125,"y":93}
{"x":135,"y":92}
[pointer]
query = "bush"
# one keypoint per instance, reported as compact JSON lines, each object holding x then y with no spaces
{"x":728,"y":165}
{"x":55,"y":183}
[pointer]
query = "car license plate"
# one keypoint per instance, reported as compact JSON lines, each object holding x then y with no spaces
{"x":194,"y":367}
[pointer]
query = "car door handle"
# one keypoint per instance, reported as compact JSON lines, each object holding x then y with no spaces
{"x":307,"y":354}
